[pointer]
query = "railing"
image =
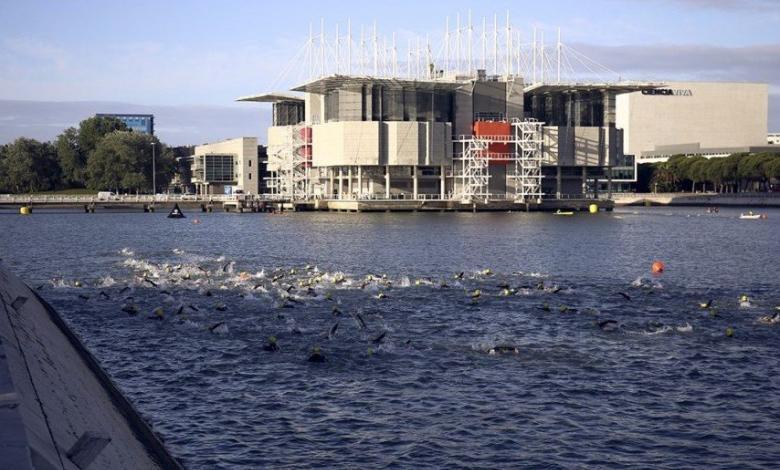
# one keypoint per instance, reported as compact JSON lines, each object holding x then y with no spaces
{"x":128,"y":199}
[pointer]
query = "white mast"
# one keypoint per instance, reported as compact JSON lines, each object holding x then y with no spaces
{"x":311,"y":51}
{"x":376,"y":53}
{"x":541,"y":53}
{"x":533,"y":46}
{"x":338,"y":44}
{"x":495,"y":44}
{"x":349,"y":46}
{"x":322,"y":47}
{"x":395,"y":59}
{"x":447,"y":46}
{"x":484,"y":44}
{"x":457,"y":44}
{"x":417,"y":69}
{"x":559,"y":55}
{"x":471,"y":34}
{"x":508,"y":47}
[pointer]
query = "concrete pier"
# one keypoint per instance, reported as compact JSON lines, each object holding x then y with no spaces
{"x":547,"y":205}
{"x":58,"y":408}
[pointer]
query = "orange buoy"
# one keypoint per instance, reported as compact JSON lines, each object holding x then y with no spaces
{"x":657,"y":267}
{"x":195,"y":221}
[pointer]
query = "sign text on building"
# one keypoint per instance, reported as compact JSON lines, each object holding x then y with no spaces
{"x":667,"y":92}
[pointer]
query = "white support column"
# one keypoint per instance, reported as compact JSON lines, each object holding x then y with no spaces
{"x":341,"y":183}
{"x":414,"y":182}
{"x":349,"y":181}
{"x":442,"y":182}
{"x":330,"y":182}
{"x":387,"y":181}
{"x":360,"y":181}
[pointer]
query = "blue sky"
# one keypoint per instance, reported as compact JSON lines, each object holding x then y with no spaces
{"x":188,"y":53}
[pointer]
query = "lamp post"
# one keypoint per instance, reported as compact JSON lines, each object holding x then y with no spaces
{"x":154,"y":171}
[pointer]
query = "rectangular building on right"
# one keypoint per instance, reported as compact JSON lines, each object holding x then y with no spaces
{"x":702,"y":118}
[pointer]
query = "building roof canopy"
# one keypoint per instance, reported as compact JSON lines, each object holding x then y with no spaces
{"x":620,"y":87}
{"x":271,"y":97}
{"x":335,"y":82}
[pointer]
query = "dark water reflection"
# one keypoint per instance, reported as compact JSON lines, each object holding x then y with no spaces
{"x":429,"y":393}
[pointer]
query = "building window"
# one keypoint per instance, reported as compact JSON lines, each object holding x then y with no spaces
{"x":250,"y":163}
{"x":250,"y":176}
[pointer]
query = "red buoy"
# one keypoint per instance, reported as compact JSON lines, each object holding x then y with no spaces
{"x":657,"y":267}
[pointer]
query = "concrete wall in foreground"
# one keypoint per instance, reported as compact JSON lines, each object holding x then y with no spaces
{"x":58,"y":408}
{"x":710,"y":114}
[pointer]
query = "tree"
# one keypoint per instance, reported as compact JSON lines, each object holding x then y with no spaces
{"x":714,"y":173}
{"x":122,"y":161}
{"x":72,"y":159}
{"x":663,"y":180}
{"x":92,"y":131}
{"x":30,"y":166}
{"x":697,"y":172}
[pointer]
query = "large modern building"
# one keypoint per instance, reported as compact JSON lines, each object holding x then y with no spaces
{"x":227,"y":167}
{"x":519,"y":127}
{"x":143,"y":123}
{"x":694,"y":118}
{"x":463,"y":137}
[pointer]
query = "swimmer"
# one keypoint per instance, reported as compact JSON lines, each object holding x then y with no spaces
{"x":379,"y":338}
{"x":687,"y":328}
{"x":130,"y":309}
{"x":475,"y":294}
{"x":608,"y":325}
{"x":220,"y":328}
{"x":503,"y":349}
{"x":706,"y":304}
{"x":770,"y":319}
{"x":221,"y":307}
{"x":744,"y":301}
{"x":625,"y":296}
{"x":316,"y":355}
{"x":158,"y":314}
{"x":333,"y":330}
{"x":271,"y":346}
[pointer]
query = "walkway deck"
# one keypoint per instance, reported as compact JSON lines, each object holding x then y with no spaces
{"x":58,"y":408}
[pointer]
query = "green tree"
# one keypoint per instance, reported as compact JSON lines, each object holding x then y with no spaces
{"x":122,"y":161}
{"x":92,"y":130}
{"x":663,"y":179}
{"x":714,"y":173}
{"x":30,"y":166}
{"x":72,"y":159}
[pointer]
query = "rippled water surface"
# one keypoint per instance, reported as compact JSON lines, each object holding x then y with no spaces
{"x":406,"y":309}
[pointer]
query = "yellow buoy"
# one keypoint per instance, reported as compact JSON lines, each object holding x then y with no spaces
{"x":593,"y":208}
{"x":24,"y":210}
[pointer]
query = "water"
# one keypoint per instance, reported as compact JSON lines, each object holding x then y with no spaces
{"x":429,"y":393}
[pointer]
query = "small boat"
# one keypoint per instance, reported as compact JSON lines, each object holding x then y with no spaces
{"x":751,"y":216}
{"x":560,"y":212}
{"x":176,"y":213}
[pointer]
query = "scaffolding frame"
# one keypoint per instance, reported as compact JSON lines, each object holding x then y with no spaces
{"x":474,"y":174}
{"x":292,"y":180}
{"x":525,"y":160}
{"x":528,"y":140}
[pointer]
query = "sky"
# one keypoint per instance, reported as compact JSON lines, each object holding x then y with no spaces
{"x":187,"y":61}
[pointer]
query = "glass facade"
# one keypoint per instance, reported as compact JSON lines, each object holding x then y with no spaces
{"x":143,"y":123}
{"x":219,"y":168}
